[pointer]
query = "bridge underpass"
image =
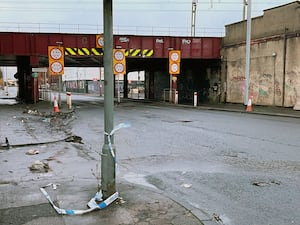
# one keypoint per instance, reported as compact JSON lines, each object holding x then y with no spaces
{"x":200,"y":59}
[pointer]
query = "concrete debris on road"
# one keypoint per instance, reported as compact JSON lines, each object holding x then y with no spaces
{"x":39,"y":167}
{"x":74,"y":138}
{"x":33,"y":112}
{"x":32,"y":152}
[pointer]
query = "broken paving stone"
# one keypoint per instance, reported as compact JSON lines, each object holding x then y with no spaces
{"x":33,"y":152}
{"x":39,"y":167}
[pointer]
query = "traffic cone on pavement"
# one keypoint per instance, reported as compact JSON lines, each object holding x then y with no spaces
{"x":56,"y":109}
{"x":249,"y":105}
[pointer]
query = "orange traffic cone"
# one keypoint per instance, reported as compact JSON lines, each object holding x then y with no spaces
{"x":249,"y":105}
{"x":56,"y":109}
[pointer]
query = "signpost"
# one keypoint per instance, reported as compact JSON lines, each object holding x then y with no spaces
{"x":34,"y":75}
{"x":174,"y":69}
{"x":56,"y":64}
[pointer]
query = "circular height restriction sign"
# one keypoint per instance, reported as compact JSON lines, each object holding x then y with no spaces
{"x":174,"y":68}
{"x":174,"y":56}
{"x":119,"y":68}
{"x":119,"y":55}
{"x":99,"y":41}
{"x":56,"y":67}
{"x":56,"y":53}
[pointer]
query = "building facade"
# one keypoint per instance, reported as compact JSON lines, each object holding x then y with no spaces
{"x":274,"y":60}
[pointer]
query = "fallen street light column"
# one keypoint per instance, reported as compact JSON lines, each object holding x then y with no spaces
{"x":108,"y":173}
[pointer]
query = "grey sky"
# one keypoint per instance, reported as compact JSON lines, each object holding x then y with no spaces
{"x":161,"y":17}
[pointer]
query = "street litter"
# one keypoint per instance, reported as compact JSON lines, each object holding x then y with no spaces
{"x":46,"y":120}
{"x":39,"y":167}
{"x":92,"y":204}
{"x":265,"y":183}
{"x":96,"y":202}
{"x":118,"y":127}
{"x":33,"y":152}
{"x":5,"y":145}
{"x":32,"y":112}
{"x":186,"y":185}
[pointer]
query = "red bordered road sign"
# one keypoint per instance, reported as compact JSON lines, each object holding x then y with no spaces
{"x":99,"y":41}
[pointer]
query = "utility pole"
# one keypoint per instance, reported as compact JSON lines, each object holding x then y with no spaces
{"x":193,"y":26}
{"x":244,"y":9}
{"x":248,"y":45}
{"x":108,"y":170}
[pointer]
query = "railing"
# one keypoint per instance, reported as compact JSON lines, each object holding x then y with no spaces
{"x":45,"y":94}
{"x":97,"y":29}
{"x":169,"y":97}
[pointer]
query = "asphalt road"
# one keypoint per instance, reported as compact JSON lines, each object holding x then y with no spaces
{"x":243,"y":169}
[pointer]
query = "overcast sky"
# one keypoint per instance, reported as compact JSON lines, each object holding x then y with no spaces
{"x":154,"y":17}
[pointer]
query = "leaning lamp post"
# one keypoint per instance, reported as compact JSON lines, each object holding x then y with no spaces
{"x":108,"y":171}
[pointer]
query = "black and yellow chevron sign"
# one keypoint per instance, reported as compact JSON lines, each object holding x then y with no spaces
{"x":99,"y":51}
{"x":83,"y":51}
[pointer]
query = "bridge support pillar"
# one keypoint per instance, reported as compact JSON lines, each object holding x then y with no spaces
{"x":26,"y":81}
{"x":125,"y":86}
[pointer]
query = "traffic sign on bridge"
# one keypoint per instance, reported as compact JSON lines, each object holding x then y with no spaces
{"x":119,"y":61}
{"x":56,"y":60}
{"x":174,"y":62}
{"x":99,"y":41}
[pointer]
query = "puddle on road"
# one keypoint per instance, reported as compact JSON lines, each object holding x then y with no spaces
{"x":138,"y":179}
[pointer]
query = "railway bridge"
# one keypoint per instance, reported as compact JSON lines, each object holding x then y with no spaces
{"x":200,"y":59}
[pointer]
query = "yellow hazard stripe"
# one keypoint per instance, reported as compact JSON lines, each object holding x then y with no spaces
{"x":97,"y":51}
{"x":80,"y":51}
{"x":147,"y":52}
{"x":86,"y":51}
{"x":126,"y":52}
{"x":70,"y":51}
{"x":134,"y":52}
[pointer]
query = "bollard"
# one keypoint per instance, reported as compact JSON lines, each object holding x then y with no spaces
{"x":195,"y":98}
{"x":69,"y":100}
{"x":176,"y":97}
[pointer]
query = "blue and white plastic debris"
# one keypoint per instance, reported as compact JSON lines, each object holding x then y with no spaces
{"x":93,"y":203}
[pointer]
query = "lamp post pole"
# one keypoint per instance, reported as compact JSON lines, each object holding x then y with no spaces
{"x":193,"y":26}
{"x":248,"y":45}
{"x":108,"y":173}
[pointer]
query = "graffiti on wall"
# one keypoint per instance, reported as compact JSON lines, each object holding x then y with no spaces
{"x":291,"y":86}
{"x":235,"y":81}
{"x":265,"y":87}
